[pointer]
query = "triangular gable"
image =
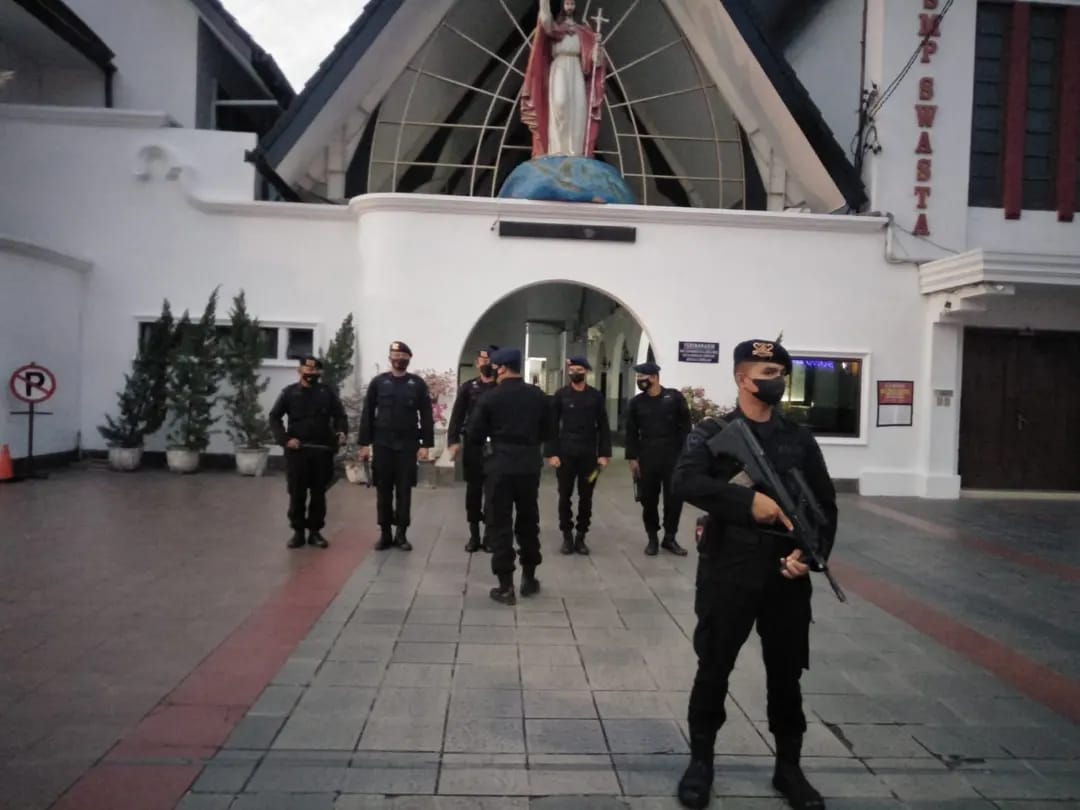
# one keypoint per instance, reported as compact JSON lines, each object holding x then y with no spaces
{"x":785,"y":127}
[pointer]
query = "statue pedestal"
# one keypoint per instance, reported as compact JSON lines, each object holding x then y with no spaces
{"x":556,"y":178}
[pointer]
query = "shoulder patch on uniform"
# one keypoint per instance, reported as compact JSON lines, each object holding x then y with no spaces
{"x":694,"y":440}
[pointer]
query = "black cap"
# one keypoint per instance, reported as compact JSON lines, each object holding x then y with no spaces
{"x":312,"y":360}
{"x":487,"y":351}
{"x":579,"y":361}
{"x":511,"y":358}
{"x":647,"y":368}
{"x":398,"y":346}
{"x":762,"y":351}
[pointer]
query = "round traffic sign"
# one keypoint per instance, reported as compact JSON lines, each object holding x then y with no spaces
{"x":32,"y":383}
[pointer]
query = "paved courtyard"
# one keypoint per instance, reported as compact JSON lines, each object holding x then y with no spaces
{"x":160,"y":647}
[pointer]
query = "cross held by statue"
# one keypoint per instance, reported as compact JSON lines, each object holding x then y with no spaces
{"x":600,"y":19}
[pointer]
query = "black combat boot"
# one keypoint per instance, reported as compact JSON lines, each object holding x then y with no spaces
{"x":505,"y":592}
{"x":530,"y":585}
{"x":695,"y":787}
{"x":474,"y":538}
{"x":316,"y":539}
{"x":401,"y":541}
{"x":579,"y":544}
{"x":567,"y":542}
{"x":789,"y":779}
{"x":386,"y":540}
{"x":297,"y":540}
{"x":672,"y":545}
{"x":652,"y":548}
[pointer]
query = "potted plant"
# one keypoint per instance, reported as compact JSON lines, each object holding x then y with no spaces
{"x":354,"y":470}
{"x":338,"y":359}
{"x":442,"y":389}
{"x":248,"y":428}
{"x":195,"y":374}
{"x":142,"y":403}
{"x":701,"y":407}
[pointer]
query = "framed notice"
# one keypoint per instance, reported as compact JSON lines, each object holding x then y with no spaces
{"x":895,"y":403}
{"x":696,"y":351}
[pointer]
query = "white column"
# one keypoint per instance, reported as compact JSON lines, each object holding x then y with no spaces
{"x":939,"y":404}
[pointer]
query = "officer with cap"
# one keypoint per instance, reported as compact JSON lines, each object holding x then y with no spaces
{"x":580,"y":447}
{"x":745,"y":576}
{"x":317,"y":426}
{"x":657,"y":421}
{"x":516,"y":417}
{"x":398,"y":421}
{"x":473,"y":458}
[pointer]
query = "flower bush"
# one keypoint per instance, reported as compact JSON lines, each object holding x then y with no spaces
{"x":701,"y":407}
{"x":442,"y":387}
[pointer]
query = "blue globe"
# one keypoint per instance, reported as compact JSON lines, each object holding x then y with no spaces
{"x":567,"y":179}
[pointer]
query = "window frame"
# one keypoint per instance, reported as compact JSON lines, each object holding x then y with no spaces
{"x":280,"y":360}
{"x":863,"y":356}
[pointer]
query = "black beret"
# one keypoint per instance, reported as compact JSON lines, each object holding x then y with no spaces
{"x":511,"y":358}
{"x":486,"y":351}
{"x":312,"y":360}
{"x":579,"y":361}
{"x":647,"y":368}
{"x":398,"y":346}
{"x":762,"y":351}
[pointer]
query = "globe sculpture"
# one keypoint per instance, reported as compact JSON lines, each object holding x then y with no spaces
{"x":567,"y":179}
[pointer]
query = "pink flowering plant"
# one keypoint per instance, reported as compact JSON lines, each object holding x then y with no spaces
{"x":701,"y":407}
{"x":442,"y":388}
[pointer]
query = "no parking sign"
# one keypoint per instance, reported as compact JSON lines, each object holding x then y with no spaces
{"x":32,"y":384}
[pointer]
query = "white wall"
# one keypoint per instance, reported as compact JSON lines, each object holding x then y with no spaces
{"x":41,"y":313}
{"x":37,"y":83}
{"x":826,"y":56}
{"x":156,"y":47}
{"x":1035,"y":232}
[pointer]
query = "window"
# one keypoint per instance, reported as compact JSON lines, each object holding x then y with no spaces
{"x":1043,"y":67}
{"x":298,"y":341}
{"x":825,"y":394}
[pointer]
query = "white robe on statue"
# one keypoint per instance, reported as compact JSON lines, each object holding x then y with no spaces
{"x":568,"y":105}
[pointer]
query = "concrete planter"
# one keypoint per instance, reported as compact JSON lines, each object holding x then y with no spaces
{"x":354,"y":473}
{"x":125,"y":459}
{"x":182,"y":460}
{"x":252,"y":462}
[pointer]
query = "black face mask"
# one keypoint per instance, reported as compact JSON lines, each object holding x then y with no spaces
{"x":577,"y":377}
{"x":487,"y":372}
{"x":643,"y":385}
{"x":311,"y":379}
{"x":770,"y":391}
{"x":399,"y":365}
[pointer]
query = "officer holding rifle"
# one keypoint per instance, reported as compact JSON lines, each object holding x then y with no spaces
{"x":751,"y":568}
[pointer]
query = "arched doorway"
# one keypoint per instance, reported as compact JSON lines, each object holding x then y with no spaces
{"x":553,"y":320}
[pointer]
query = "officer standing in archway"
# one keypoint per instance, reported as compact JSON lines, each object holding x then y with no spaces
{"x":398,"y":421}
{"x":657,"y":421}
{"x":468,"y":396}
{"x":746,"y":576}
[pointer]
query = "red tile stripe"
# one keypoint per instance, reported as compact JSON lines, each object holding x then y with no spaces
{"x":1070,"y":573}
{"x":1016,"y":110}
{"x":1047,"y":686}
{"x":158,"y":760}
{"x":1069,"y":121}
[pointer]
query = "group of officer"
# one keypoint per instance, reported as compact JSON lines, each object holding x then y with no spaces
{"x":750,"y":571}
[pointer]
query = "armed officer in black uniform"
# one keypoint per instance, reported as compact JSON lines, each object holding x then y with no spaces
{"x":473,"y":459}
{"x":398,"y":421}
{"x":657,"y":421}
{"x":516,"y":417}
{"x":316,"y":417}
{"x":745,"y":576}
{"x":581,"y":446}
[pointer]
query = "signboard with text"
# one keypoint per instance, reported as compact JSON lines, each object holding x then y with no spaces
{"x":896,"y":403}
{"x":696,"y":351}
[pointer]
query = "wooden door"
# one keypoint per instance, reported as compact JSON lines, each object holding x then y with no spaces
{"x":1020,"y":411}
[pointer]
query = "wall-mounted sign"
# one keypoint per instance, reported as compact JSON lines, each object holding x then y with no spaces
{"x":895,"y":403}
{"x":925,"y":115}
{"x":695,"y":351}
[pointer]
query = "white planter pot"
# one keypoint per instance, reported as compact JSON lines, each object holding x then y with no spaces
{"x":252,"y":462}
{"x":440,"y":443}
{"x":182,"y":460}
{"x":125,"y":459}
{"x":354,"y":473}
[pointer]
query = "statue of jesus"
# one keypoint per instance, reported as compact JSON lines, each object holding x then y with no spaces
{"x":562,"y":99}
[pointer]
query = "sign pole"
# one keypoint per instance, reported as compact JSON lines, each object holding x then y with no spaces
{"x":32,"y":384}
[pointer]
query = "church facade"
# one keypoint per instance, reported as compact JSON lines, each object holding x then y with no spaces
{"x":866,"y":177}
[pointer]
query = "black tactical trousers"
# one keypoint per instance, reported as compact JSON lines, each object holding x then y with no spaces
{"x":728,"y":604}
{"x":656,"y":477}
{"x":512,"y":494}
{"x":395,"y":474}
{"x":575,"y":469}
{"x":308,"y":472}
{"x":472,"y":461}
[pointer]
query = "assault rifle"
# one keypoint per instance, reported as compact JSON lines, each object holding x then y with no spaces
{"x":738,"y":442}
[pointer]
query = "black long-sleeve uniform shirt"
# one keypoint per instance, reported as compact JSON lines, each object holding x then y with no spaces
{"x":579,"y":424}
{"x":703,"y":479}
{"x":516,"y":416}
{"x":656,"y":426}
{"x":468,"y":396}
{"x":315,"y":415}
{"x":397,"y":413}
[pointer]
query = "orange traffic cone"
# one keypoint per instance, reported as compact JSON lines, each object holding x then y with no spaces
{"x":7,"y":470}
